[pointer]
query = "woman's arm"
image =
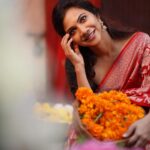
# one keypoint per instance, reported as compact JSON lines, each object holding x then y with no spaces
{"x":76,"y":59}
{"x":82,"y":80}
{"x":138,"y":134}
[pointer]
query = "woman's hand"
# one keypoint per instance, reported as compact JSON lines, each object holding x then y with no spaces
{"x":77,"y":60}
{"x":74,"y":54}
{"x":138,"y":134}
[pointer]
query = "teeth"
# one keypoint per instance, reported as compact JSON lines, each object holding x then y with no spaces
{"x":90,"y":35}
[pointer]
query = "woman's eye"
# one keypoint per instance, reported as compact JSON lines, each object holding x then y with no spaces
{"x":72,"y":32}
{"x":83,"y":19}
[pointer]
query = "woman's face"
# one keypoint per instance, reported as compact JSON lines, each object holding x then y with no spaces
{"x":83,"y":27}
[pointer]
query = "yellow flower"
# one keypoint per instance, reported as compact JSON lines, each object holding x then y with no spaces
{"x":56,"y":113}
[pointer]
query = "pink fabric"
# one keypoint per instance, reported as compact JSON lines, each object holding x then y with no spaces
{"x":130,"y":72}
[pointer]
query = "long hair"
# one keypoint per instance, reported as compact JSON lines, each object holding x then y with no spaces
{"x":89,"y":57}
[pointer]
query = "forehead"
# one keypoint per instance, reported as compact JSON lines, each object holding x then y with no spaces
{"x":72,"y":15}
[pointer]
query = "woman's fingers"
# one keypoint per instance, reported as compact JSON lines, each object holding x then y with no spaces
{"x":140,"y":143}
{"x":71,"y":50}
{"x":64,"y":41}
{"x":132,"y":140}
{"x":130,"y":131}
{"x":69,"y":44}
{"x":76,"y":49}
{"x":137,"y":135}
{"x":66,"y":44}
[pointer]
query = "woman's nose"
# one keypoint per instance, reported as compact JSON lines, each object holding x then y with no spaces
{"x":82,"y":29}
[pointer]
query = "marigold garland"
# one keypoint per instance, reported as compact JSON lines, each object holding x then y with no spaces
{"x":107,"y":115}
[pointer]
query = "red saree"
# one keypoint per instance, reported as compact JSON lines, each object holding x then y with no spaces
{"x":130,"y":72}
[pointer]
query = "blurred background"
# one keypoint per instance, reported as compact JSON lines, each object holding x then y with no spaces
{"x":32,"y":65}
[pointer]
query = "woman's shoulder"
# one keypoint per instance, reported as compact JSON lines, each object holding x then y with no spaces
{"x":143,"y":38}
{"x":140,"y":38}
{"x":142,"y":34}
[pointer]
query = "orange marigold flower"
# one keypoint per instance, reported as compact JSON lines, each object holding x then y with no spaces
{"x":83,"y":93}
{"x":107,"y":115}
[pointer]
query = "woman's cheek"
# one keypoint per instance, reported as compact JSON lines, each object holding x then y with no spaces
{"x":76,"y":39}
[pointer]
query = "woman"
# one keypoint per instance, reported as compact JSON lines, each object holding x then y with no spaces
{"x":103,"y":59}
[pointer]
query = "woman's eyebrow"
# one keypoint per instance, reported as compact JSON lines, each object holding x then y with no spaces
{"x":78,"y":20}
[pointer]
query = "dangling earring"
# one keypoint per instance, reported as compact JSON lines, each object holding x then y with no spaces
{"x":103,"y":26}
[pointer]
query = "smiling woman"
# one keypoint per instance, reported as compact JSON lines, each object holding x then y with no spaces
{"x":83,"y":28}
{"x":80,"y":25}
{"x":105,"y":59}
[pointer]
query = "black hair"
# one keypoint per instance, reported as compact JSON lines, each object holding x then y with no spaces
{"x":89,"y":57}
{"x":63,"y":5}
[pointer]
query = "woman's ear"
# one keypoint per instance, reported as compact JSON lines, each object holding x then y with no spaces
{"x":102,"y":24}
{"x":99,"y":19}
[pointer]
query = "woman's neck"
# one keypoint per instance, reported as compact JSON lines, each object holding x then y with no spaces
{"x":108,"y":47}
{"x":105,"y":46}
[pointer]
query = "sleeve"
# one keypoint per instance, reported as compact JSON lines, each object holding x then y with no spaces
{"x":141,"y":95}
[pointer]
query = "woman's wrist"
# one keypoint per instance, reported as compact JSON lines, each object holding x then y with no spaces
{"x":81,"y":76}
{"x":79,"y":68}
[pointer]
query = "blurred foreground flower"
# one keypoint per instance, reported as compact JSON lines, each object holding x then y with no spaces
{"x":96,"y":145}
{"x":58,"y":113}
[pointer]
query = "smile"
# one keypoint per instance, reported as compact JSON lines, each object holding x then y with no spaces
{"x":90,"y":36}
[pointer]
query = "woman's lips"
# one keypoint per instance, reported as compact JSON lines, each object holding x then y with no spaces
{"x":90,"y":36}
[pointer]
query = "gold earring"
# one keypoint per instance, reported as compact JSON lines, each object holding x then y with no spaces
{"x":103,"y":26}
